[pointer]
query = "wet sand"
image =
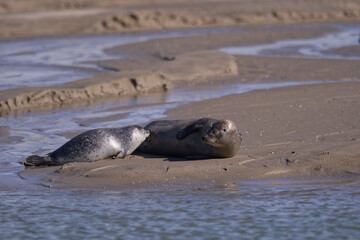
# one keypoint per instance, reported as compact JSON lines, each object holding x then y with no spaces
{"x":306,"y":133}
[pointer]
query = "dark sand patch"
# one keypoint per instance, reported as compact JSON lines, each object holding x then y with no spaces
{"x":91,"y":121}
{"x":350,"y":51}
{"x":284,"y":69}
{"x":4,"y":131}
{"x":5,"y":136}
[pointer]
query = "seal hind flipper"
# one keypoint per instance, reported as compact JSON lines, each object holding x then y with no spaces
{"x":121,"y":154}
{"x":35,"y":160}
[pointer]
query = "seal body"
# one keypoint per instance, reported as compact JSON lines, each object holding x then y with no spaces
{"x":206,"y":137}
{"x":94,"y":145}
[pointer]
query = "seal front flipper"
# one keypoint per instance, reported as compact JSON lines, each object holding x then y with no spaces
{"x":190,"y":128}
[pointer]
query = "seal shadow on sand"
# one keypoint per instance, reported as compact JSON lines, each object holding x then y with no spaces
{"x":170,"y":158}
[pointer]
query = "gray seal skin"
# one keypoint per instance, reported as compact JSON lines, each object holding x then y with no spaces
{"x":193,"y":139}
{"x":94,"y":145}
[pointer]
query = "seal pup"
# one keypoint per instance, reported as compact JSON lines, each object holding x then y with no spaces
{"x":94,"y":145}
{"x":193,"y":139}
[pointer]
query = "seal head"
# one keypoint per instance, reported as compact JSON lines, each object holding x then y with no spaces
{"x":224,"y":137}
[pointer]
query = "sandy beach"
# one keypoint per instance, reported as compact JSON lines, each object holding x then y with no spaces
{"x":306,"y":134}
{"x":309,"y":132}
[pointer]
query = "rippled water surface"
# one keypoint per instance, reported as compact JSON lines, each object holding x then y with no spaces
{"x":309,"y":48}
{"x":244,"y":212}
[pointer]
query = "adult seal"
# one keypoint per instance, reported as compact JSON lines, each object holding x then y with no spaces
{"x":94,"y":145}
{"x":205,"y":137}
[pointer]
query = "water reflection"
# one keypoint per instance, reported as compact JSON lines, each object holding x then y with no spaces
{"x":313,"y":48}
{"x":253,"y":211}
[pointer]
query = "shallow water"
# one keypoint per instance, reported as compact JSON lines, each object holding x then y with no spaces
{"x":309,"y":48}
{"x":52,"y":61}
{"x":243,"y":212}
{"x":249,"y":211}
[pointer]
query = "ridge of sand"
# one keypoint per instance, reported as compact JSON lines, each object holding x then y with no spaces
{"x":189,"y":67}
{"x":45,"y":97}
{"x":165,"y":19}
{"x":25,"y":18}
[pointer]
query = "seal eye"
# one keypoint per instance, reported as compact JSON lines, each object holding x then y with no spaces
{"x":224,"y":130}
